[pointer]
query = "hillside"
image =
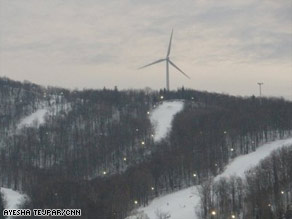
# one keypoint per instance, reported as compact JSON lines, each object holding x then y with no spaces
{"x":109,"y":151}
{"x":186,"y":202}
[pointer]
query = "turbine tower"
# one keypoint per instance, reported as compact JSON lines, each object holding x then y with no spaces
{"x":168,"y":61}
{"x":260,"y":86}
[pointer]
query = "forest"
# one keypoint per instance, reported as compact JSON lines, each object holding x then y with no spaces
{"x":95,"y":150}
{"x":264,"y":193}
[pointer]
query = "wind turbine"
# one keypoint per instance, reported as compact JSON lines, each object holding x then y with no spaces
{"x":260,"y":86}
{"x":168,"y":61}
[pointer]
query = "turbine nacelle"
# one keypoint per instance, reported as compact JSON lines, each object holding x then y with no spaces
{"x":168,"y":61}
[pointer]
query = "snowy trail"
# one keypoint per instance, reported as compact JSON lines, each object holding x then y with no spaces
{"x":38,"y":117}
{"x":13,"y":198}
{"x":162,"y":117}
{"x":182,"y":204}
{"x":245,"y":162}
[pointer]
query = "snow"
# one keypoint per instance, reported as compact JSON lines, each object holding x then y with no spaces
{"x":38,"y":117}
{"x":13,"y":198}
{"x":245,"y":162}
{"x":181,"y":204}
{"x":162,"y":117}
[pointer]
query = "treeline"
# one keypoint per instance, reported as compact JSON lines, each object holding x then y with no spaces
{"x":264,"y":193}
{"x":96,"y":151}
{"x":209,"y":136}
{"x":102,"y":133}
{"x":18,"y":100}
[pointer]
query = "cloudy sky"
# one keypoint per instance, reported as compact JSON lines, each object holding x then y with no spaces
{"x":224,"y":46}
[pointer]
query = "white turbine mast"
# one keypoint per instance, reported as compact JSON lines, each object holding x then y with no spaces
{"x":168,"y":61}
{"x":260,"y":87}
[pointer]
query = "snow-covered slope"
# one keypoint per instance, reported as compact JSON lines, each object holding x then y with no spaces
{"x":38,"y":118}
{"x":181,"y":204}
{"x":245,"y":162}
{"x":13,"y":198}
{"x":162,"y":116}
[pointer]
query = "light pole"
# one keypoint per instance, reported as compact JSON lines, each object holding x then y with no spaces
{"x":260,"y":86}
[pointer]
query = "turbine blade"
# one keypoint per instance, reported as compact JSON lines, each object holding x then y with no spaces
{"x":152,"y":63}
{"x":178,"y":69}
{"x":169,"y":46}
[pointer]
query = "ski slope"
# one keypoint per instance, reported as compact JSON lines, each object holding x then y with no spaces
{"x":12,"y":198}
{"x":38,"y":118}
{"x":161,"y":117}
{"x":181,"y":204}
{"x":245,"y":162}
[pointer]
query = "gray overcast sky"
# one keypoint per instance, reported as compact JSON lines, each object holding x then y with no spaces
{"x":225,"y":46}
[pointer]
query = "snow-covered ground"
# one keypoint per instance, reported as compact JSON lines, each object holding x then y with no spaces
{"x":12,"y":198}
{"x":245,"y":162}
{"x":36,"y":118}
{"x":162,"y":117}
{"x":181,"y":204}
